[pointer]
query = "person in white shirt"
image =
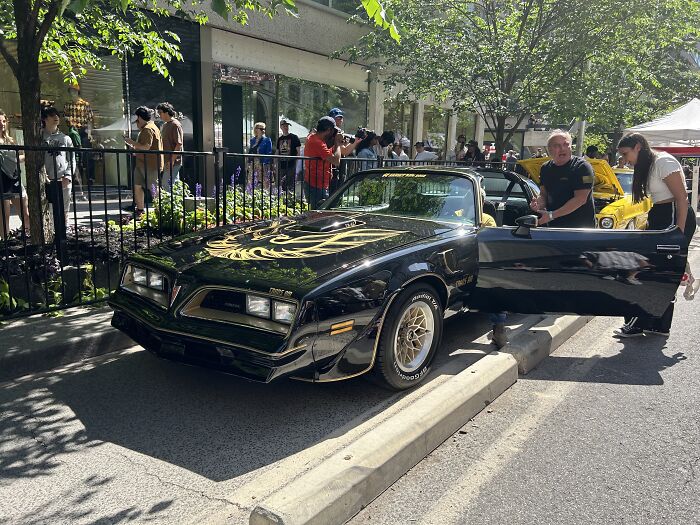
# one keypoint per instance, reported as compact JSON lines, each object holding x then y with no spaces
{"x":398,"y":153}
{"x":422,"y":154}
{"x":659,"y":176}
{"x":60,"y":165}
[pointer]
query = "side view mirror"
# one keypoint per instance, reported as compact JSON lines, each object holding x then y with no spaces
{"x":525,"y":223}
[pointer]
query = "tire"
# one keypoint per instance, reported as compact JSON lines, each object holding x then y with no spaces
{"x":411,"y":334}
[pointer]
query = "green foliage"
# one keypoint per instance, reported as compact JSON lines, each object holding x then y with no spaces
{"x":563,"y":59}
{"x":9,"y":303}
{"x":258,"y":204}
{"x":371,"y":192}
{"x":88,"y":292}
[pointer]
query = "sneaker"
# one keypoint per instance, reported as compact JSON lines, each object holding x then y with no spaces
{"x":657,"y":332}
{"x":633,"y":280}
{"x":628,"y":331}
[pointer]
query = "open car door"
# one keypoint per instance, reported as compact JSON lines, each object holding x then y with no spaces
{"x":579,"y":271}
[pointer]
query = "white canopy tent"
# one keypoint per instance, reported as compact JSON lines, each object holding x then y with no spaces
{"x":681,"y":127}
{"x":676,"y":132}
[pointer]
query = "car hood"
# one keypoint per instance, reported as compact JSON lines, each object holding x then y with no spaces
{"x":288,"y":252}
{"x":605,"y":180}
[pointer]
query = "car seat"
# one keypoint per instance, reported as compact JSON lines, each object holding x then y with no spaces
{"x":453,"y":204}
{"x":490,"y":208}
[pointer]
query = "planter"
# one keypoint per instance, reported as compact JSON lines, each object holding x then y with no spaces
{"x":200,"y":203}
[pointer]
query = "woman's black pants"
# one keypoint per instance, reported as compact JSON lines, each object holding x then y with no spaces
{"x":661,"y":216}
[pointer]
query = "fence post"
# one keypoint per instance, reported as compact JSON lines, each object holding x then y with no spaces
{"x":219,"y":161}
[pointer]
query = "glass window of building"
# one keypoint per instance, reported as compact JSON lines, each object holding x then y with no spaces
{"x":398,"y":117}
{"x":243,"y":97}
{"x":435,"y":129}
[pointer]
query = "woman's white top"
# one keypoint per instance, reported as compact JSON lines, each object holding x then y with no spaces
{"x":664,"y":165}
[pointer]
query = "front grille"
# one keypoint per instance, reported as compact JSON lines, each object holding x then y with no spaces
{"x":228,"y":305}
{"x":231,"y":301}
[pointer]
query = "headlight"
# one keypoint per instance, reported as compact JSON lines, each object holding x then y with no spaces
{"x":283,"y":312}
{"x":147,"y":283}
{"x":607,"y":223}
{"x":156,"y":280}
{"x":138,"y":275}
{"x":257,"y":305}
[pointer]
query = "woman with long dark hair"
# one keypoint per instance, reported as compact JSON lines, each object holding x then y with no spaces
{"x":657,"y":175}
{"x":365,"y":150}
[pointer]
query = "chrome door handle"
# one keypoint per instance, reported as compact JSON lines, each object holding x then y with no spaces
{"x":668,"y":248}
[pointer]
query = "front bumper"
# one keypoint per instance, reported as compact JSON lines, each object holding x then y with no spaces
{"x":224,"y":356}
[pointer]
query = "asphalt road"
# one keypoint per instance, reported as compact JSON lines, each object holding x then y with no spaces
{"x":603,"y":432}
{"x":129,"y":437}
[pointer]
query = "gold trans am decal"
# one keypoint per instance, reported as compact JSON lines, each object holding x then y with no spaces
{"x":283,"y":246}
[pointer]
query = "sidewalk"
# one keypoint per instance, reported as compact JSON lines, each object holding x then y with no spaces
{"x":39,"y":342}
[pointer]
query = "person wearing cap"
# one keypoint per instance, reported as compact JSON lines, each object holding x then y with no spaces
{"x":148,"y":167}
{"x":288,"y":145}
{"x":317,"y":169}
{"x":422,"y":154}
{"x":337,"y":115}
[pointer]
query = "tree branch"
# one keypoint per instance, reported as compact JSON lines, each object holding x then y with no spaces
{"x":11,"y":61}
{"x":49,"y":18}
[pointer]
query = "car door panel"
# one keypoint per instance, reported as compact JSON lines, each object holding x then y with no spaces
{"x":579,"y":271}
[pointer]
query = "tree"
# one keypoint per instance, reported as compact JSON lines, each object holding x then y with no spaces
{"x":75,"y":34}
{"x":645,"y":74}
{"x":508,"y":58}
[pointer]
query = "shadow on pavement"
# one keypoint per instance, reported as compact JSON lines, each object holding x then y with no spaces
{"x":211,"y":424}
{"x":639,"y":362}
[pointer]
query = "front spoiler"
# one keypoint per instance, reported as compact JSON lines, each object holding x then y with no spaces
{"x":227,"y":358}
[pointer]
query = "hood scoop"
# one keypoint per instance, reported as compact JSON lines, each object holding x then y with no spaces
{"x":328,"y":224}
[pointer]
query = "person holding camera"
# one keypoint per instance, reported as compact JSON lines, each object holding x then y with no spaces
{"x":318,"y":168}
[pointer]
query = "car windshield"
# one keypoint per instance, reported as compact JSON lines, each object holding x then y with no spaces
{"x":437,"y":196}
{"x":625,"y":181}
{"x":496,"y":185}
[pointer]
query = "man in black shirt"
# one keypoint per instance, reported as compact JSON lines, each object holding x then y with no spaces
{"x":566,"y":184}
{"x":287,"y":144}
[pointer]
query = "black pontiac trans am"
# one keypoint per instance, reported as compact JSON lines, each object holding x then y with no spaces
{"x":362,"y":285}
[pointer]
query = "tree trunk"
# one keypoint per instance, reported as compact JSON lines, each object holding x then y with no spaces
{"x":499,"y":135}
{"x":40,"y":217}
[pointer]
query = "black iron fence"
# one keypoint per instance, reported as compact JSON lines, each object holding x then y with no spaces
{"x":109,"y":203}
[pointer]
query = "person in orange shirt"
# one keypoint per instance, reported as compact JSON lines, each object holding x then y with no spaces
{"x":317,"y":170}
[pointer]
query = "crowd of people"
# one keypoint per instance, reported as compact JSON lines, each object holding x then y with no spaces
{"x":62,"y":168}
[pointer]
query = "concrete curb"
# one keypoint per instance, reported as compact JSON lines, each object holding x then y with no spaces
{"x":341,"y":486}
{"x":531,"y":347}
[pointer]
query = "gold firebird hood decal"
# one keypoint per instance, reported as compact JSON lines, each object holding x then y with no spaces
{"x":283,"y":246}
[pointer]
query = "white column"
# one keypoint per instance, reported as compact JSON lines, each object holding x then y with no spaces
{"x":451,"y":130}
{"x":418,"y":112}
{"x":375,"y":118}
{"x":206,"y":78}
{"x":480,"y":128}
{"x":206,"y":106}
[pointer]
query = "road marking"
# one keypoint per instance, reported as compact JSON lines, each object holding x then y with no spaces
{"x":452,"y":505}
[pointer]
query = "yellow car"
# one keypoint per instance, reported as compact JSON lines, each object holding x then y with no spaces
{"x":612,"y":195}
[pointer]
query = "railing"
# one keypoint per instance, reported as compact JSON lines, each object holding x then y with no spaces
{"x":119,"y":202}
